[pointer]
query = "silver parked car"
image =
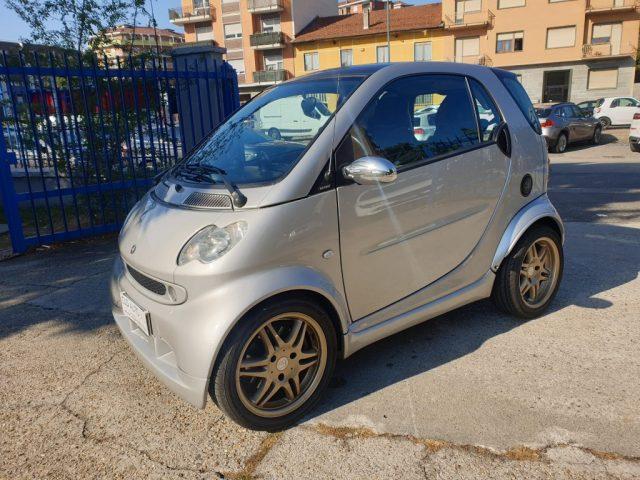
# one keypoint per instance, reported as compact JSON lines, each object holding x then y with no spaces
{"x":565,"y":123}
{"x":256,"y":263}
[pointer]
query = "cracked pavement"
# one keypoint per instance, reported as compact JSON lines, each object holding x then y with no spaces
{"x":471,"y":394}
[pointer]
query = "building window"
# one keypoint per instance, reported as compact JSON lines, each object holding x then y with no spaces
{"x":510,"y":42}
{"x":346,"y":58}
{"x":270,"y":23}
{"x":204,"y":32}
{"x":467,"y":6}
{"x":467,"y":49}
{"x":311,"y":61}
{"x":511,"y":3}
{"x":561,"y":37}
{"x":606,"y":33}
{"x":602,"y":78}
{"x":422,"y":51}
{"x":382,"y":54}
{"x":232,"y":30}
{"x":273,"y":61}
{"x":238,"y":65}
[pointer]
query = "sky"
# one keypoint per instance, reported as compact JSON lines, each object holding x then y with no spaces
{"x":12,"y":28}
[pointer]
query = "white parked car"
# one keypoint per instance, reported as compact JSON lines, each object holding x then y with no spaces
{"x":634,"y":133}
{"x":616,"y":110}
{"x":293,"y":118}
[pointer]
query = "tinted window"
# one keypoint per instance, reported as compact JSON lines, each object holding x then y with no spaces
{"x":521,"y":98}
{"x":488,"y":114}
{"x":387,"y":126}
{"x":543,"y":112}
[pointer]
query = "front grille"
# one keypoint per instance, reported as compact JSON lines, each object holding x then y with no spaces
{"x":207,"y":200}
{"x":149,"y":283}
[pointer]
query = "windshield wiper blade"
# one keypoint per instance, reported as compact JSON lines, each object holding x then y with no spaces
{"x":201,"y":170}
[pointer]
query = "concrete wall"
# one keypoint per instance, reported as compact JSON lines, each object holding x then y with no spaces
{"x":303,"y":11}
{"x":532,"y":79}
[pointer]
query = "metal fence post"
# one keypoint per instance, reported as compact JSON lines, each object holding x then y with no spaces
{"x":9,"y":199}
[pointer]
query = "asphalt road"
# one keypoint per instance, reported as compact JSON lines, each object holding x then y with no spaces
{"x":472,"y":394}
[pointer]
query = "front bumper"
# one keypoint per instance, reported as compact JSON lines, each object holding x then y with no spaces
{"x":158,"y":351}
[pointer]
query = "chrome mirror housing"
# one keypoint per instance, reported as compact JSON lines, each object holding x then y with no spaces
{"x":370,"y":170}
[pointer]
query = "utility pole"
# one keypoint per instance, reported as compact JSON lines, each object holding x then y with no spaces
{"x":388,"y":32}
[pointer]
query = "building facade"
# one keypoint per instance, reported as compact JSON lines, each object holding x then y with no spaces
{"x":125,"y":39}
{"x":415,"y":35}
{"x":347,"y":7}
{"x":562,"y":50}
{"x":256,"y":34}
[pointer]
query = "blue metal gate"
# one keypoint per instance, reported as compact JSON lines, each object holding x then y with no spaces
{"x":82,"y":139}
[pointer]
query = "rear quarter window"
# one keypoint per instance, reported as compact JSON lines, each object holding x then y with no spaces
{"x":519,"y":95}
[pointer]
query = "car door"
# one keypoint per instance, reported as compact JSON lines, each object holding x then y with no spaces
{"x":625,"y":110}
{"x":399,"y":237}
{"x":583,"y":127}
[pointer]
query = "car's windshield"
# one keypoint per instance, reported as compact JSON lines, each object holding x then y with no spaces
{"x":263,"y":140}
{"x":543,"y":112}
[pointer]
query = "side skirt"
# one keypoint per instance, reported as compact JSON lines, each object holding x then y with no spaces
{"x":357,"y":338}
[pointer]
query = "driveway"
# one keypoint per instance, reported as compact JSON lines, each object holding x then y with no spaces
{"x":471,"y":394}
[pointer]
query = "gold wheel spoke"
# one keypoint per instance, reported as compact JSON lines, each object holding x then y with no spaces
{"x":298,"y":333}
{"x":266,"y":392}
{"x":295,"y":380}
{"x":268,"y":343}
{"x":524,"y":287}
{"x":288,"y":391}
{"x":272,"y":332}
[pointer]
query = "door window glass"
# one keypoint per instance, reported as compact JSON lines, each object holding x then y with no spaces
{"x":412,"y":120}
{"x":627,"y":102}
{"x":488,"y":114}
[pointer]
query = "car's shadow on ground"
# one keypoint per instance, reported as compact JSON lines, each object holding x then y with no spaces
{"x":598,"y":258}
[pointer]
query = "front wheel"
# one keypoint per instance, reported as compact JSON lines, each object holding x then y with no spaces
{"x":528,"y":278}
{"x":275,"y":365}
{"x":634,"y":147}
{"x":597,"y":134}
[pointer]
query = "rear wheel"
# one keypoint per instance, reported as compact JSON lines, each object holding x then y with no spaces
{"x":528,"y":278}
{"x":605,"y":122}
{"x":597,"y":135}
{"x":275,"y":365}
{"x":634,"y":147}
{"x":561,"y":143}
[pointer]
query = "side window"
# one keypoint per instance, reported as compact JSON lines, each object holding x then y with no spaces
{"x":575,"y":111}
{"x":627,"y":102}
{"x":488,"y":114}
{"x":519,"y":95}
{"x":412,"y":120}
{"x":615,"y":103}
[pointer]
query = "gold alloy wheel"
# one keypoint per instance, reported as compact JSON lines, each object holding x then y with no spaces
{"x":281,"y":365}
{"x":539,"y":272}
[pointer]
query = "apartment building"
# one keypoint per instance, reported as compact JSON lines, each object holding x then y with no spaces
{"x":561,"y":49}
{"x":416,"y":34}
{"x":125,"y":39}
{"x":257,"y":34}
{"x":347,"y":7}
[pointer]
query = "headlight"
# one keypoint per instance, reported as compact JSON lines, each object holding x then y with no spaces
{"x":212,"y":242}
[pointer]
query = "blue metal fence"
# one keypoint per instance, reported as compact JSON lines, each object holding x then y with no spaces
{"x":81,"y":139}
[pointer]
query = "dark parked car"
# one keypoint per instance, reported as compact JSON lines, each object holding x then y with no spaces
{"x":565,"y":123}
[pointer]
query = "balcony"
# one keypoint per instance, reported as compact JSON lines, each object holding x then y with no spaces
{"x":595,"y":7}
{"x":267,"y":40}
{"x":604,"y":50}
{"x":192,"y":14}
{"x":265,"y":6}
{"x":470,"y":20}
{"x":269,"y":76}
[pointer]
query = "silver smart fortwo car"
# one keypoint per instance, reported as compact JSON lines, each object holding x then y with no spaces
{"x":260,"y":260}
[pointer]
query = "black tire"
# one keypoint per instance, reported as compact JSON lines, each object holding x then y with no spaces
{"x":634,"y":147}
{"x":274,"y":133}
{"x":222,"y":385}
{"x":506,"y":288}
{"x":605,"y":122}
{"x":597,"y":134}
{"x":561,"y":143}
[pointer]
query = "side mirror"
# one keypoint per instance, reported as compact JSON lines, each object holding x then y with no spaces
{"x":502,"y":137}
{"x":370,"y":170}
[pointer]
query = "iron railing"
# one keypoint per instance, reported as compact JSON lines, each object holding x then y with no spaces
{"x":82,"y":138}
{"x":269,"y":76}
{"x":191,"y":13}
{"x":264,"y":39}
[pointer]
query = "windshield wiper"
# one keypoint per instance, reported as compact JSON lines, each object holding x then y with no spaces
{"x":202,"y":173}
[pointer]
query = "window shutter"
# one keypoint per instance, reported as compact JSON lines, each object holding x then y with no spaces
{"x":605,"y":78}
{"x":561,"y":37}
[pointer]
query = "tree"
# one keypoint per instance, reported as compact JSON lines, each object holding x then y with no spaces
{"x":73,"y":24}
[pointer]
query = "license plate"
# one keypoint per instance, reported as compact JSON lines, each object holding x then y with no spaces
{"x":137,"y":315}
